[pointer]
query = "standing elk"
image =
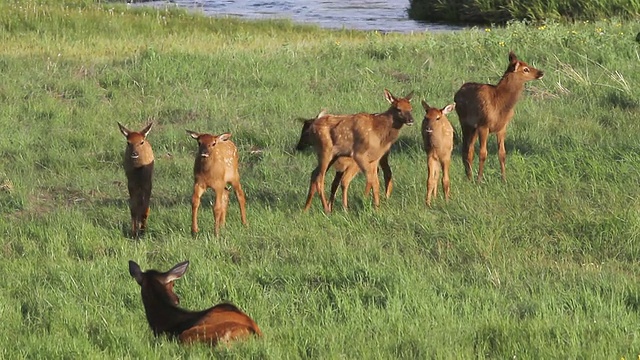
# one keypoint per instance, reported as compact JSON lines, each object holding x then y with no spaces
{"x":221,"y":323}
{"x":346,"y":169}
{"x":215,"y":166}
{"x":138,"y":167}
{"x":485,"y":109}
{"x":363,"y":137}
{"x":437,"y":138}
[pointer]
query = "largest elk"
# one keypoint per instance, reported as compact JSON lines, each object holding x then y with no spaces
{"x":363,"y":137}
{"x":485,"y":109}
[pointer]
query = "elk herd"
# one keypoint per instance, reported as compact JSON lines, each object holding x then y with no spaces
{"x":350,"y":144}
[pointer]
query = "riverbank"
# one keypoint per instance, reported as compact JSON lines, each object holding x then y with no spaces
{"x":543,"y":266}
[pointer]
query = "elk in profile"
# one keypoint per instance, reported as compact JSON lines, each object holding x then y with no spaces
{"x":221,"y":323}
{"x":138,"y":167}
{"x":437,"y":138}
{"x":346,"y":169}
{"x":363,"y":137}
{"x":216,"y":165}
{"x":485,"y":109}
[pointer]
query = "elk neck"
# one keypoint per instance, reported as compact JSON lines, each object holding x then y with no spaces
{"x":508,"y":91}
{"x":162,"y":315}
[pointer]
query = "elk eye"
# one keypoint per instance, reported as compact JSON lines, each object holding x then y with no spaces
{"x":142,"y":142}
{"x":526,"y":69}
{"x":437,"y":117}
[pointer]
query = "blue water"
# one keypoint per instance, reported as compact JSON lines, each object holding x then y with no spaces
{"x":386,"y":16}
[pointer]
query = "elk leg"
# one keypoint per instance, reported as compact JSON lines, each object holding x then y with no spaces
{"x":242,"y":201}
{"x":483,"y":134}
{"x":324,"y":164}
{"x":432,"y":179}
{"x":445,"y":178}
{"x":312,"y":188}
{"x":219,"y":209}
{"x":198,"y":190}
{"x":386,"y":171}
{"x":468,"y":143}
{"x":337,"y":179}
{"x":350,"y":173}
{"x":502,"y":152}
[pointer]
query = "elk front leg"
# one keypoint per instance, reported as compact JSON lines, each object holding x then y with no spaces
{"x":445,"y":178}
{"x":198,"y":190}
{"x":337,"y":179}
{"x":312,"y":188}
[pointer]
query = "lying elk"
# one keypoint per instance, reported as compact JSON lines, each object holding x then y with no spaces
{"x":221,"y":323}
{"x":346,"y":169}
{"x":485,"y":109}
{"x":437,"y":137}
{"x":364,"y":137}
{"x":138,"y":166}
{"x":215,"y":166}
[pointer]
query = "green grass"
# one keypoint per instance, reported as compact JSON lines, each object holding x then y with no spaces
{"x":544,"y":266}
{"x":503,"y":11}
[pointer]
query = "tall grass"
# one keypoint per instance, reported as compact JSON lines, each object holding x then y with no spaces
{"x":502,"y":11}
{"x":543,"y":266}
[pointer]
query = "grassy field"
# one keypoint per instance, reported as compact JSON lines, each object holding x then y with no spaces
{"x":543,"y":266}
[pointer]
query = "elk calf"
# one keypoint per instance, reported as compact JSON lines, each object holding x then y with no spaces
{"x":485,"y":109}
{"x":437,"y":138}
{"x":364,"y":137}
{"x":346,"y":169}
{"x":138,"y":166}
{"x":216,"y":165}
{"x":223,"y":322}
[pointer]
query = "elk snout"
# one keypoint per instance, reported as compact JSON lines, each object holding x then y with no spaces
{"x":134,"y":154}
{"x":409,"y":119}
{"x":540,"y":74}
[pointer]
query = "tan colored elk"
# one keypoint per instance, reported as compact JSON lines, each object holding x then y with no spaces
{"x":437,"y":138}
{"x":221,"y":323}
{"x":485,"y":109}
{"x":138,"y":167}
{"x":363,"y":137}
{"x":346,"y":169}
{"x":216,"y":165}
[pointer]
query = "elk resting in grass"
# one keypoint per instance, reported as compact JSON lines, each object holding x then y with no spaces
{"x":221,"y":323}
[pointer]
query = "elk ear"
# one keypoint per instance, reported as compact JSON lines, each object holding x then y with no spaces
{"x":425,"y":105}
{"x":176,"y":272}
{"x":512,"y":57}
{"x":224,"y":137}
{"x":322,"y":113}
{"x":124,"y":130}
{"x":409,"y":96}
{"x":193,"y":134}
{"x":135,"y":272}
{"x":146,"y":129}
{"x":449,"y":108}
{"x":387,"y":95}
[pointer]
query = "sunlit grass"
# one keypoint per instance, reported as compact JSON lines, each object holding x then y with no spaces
{"x":544,"y":266}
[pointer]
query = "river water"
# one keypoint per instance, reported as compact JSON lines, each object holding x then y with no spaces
{"x":381,"y":15}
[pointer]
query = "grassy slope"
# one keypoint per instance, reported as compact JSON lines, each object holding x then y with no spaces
{"x":542,"y":266}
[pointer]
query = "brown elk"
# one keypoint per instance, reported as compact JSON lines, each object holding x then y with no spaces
{"x":346,"y":169}
{"x":221,"y":323}
{"x":485,"y":109}
{"x":437,"y":138}
{"x":216,"y":165}
{"x":138,"y":166}
{"x":363,"y":137}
